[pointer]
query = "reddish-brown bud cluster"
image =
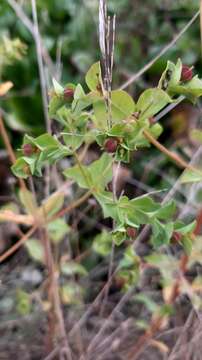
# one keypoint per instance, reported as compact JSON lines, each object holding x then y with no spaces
{"x":111,"y":144}
{"x":187,"y":73}
{"x":28,"y":149}
{"x":68,"y":93}
{"x":131,"y":232}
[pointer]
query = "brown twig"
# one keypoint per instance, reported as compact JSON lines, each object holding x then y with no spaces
{"x":61,"y":213}
{"x":176,"y":158}
{"x":72,"y":206}
{"x":157,"y":321}
{"x":15,"y":247}
{"x":57,"y":321}
{"x":9,"y":148}
{"x":8,"y":215}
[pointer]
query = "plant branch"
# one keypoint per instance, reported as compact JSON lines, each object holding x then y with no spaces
{"x":61,"y":213}
{"x":37,"y":38}
{"x":72,"y":206}
{"x":157,"y":321}
{"x":15,"y":247}
{"x":8,"y":215}
{"x":54,"y":297}
{"x":9,"y":148}
{"x":176,"y":158}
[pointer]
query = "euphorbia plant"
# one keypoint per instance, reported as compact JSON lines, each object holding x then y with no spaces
{"x":120,"y":126}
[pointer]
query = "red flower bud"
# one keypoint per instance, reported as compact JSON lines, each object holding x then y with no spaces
{"x":28,"y":149}
{"x":131,"y":232}
{"x":186,"y":74}
{"x":176,"y":237}
{"x":110,"y":145}
{"x":68,"y":93}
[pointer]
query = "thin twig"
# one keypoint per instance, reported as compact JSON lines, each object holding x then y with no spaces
{"x":15,"y":247}
{"x":61,"y":213}
{"x":111,"y":260}
{"x":54,"y":297}
{"x":157,"y":321}
{"x":176,"y":158}
{"x":44,"y":92}
{"x":9,"y":148}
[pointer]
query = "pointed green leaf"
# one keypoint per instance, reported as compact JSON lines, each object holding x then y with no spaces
{"x":57,"y":229}
{"x":93,"y":77}
{"x":161,"y":233}
{"x":28,"y":201}
{"x":190,"y":176}
{"x":59,"y":90}
{"x":35,"y":249}
{"x":151,"y":102}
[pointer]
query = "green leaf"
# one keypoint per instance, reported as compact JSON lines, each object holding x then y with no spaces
{"x":55,"y":104}
{"x":119,"y":237}
{"x":122,"y":107}
{"x":71,"y":293}
{"x":102,"y":243}
{"x":192,"y":89}
{"x":190,"y":176}
{"x":196,"y":135}
{"x":43,"y":141}
{"x":129,"y":258}
{"x":171,"y":76}
{"x":106,"y":201}
{"x":79,"y":92}
{"x":28,"y":201}
{"x":151,"y":102}
{"x":23,"y":306}
{"x":183,"y":229}
{"x":35,"y":250}
{"x":95,"y":176}
{"x":101,"y":171}
{"x":167,"y":210}
{"x":187,"y":244}
{"x":73,"y":141}
{"x":80,"y":174}
{"x":156,"y":130}
{"x":147,"y":301}
{"x":73,"y":268}
{"x":59,"y":90}
{"x":161,"y":233}
{"x":168,"y":265}
{"x":101,"y":114}
{"x":93,"y":77}
{"x":57,"y":229}
{"x":51,"y":206}
{"x":21,"y":169}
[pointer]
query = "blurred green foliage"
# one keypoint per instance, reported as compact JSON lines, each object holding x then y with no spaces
{"x":71,"y":28}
